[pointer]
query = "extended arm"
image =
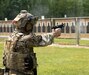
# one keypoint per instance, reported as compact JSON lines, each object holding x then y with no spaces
{"x":40,"y":40}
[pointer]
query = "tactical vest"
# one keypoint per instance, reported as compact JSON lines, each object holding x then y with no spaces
{"x":18,"y":57}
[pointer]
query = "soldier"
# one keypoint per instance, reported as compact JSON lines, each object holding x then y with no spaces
{"x":19,"y":57}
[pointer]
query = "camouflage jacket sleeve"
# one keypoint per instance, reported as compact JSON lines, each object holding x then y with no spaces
{"x":37,"y":40}
{"x":47,"y":39}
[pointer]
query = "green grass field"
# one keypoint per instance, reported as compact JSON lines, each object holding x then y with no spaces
{"x":1,"y":53}
{"x":60,"y":61}
{"x":71,"y":41}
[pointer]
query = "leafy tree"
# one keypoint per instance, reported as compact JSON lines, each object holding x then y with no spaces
{"x":48,"y":8}
{"x":86,"y":7}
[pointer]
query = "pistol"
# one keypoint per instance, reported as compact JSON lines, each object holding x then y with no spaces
{"x":59,"y":26}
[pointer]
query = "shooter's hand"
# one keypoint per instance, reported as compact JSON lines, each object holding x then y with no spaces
{"x":56,"y":32}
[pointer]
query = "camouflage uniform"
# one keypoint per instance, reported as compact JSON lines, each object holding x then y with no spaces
{"x":19,"y":57}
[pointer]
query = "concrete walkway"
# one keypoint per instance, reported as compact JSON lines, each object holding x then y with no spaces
{"x":69,"y":46}
{"x":3,"y":36}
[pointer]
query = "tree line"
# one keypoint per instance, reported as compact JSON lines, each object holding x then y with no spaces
{"x":47,"y":8}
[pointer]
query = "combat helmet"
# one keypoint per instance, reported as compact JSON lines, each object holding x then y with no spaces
{"x":25,"y":21}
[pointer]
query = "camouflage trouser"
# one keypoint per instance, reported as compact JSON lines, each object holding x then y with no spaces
{"x":1,"y":71}
{"x":11,"y":72}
